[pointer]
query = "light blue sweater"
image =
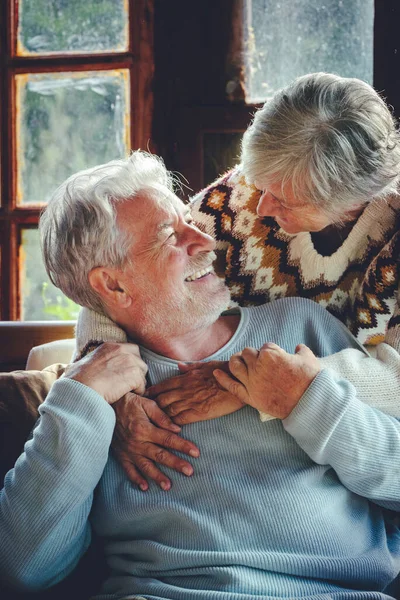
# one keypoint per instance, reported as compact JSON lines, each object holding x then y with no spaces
{"x":299,"y":508}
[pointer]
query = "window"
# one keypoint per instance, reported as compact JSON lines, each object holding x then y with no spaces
{"x":265,"y":44}
{"x":72,"y":92}
{"x":286,"y":39}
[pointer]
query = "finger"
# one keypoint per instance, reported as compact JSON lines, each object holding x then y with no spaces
{"x":249,"y":355}
{"x":167,"y":459}
{"x":270,"y":346}
{"x":176,"y":408}
{"x":137,"y":369}
{"x":150,"y":471}
{"x":194,"y":415}
{"x":131,"y":348}
{"x":165,"y":386}
{"x":168,"y":398}
{"x":237,"y":367}
{"x":190,"y":416}
{"x":172,"y":441}
{"x":139,"y":386}
{"x":133,"y":474}
{"x":138,"y":363}
{"x":143,"y":368}
{"x":304,"y":350}
{"x":158,"y":417}
{"x":230,"y":385}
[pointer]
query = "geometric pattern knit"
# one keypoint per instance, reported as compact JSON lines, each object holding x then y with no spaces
{"x":358,"y":283}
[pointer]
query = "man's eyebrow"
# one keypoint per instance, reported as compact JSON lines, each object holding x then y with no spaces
{"x":163,"y":226}
{"x":187,"y":213}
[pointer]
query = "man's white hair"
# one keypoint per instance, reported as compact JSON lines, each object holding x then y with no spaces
{"x":334,"y":139}
{"x":78,"y":228}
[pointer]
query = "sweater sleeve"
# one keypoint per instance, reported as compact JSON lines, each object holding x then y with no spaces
{"x":47,"y":497}
{"x":92,"y":329}
{"x":377,"y":379}
{"x":360,"y":443}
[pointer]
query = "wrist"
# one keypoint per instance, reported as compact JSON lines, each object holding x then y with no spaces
{"x":88,"y":384}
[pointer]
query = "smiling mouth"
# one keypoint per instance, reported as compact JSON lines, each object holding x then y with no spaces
{"x":200,"y":274}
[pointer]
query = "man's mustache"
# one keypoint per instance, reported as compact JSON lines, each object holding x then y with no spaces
{"x":202,"y":261}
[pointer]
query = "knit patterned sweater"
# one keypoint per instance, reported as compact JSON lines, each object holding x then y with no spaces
{"x":299,"y":508}
{"x":358,"y":283}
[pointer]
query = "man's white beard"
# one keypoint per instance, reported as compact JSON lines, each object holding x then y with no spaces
{"x":169,"y":318}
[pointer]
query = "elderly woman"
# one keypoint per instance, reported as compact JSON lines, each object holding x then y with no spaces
{"x":313,"y":211}
{"x":313,"y":208}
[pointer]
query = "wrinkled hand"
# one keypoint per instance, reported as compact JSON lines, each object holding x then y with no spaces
{"x":270,"y":380}
{"x":111,"y":370}
{"x":143,"y":433}
{"x":195,"y":395}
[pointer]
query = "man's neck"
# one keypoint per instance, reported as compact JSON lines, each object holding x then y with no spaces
{"x":197,"y":344}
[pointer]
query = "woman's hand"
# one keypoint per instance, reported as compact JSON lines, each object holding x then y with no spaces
{"x":111,"y":370}
{"x":195,"y":395}
{"x":270,"y":380}
{"x":143,"y":434}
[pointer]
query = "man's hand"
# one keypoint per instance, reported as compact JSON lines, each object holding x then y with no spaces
{"x":111,"y":370}
{"x":195,"y":395}
{"x":142,"y":434}
{"x":270,"y":380}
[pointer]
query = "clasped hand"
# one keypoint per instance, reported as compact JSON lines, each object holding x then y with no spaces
{"x":145,"y":431}
{"x":111,"y":370}
{"x":271,"y":380}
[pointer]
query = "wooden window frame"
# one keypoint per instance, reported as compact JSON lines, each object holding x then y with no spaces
{"x":138,"y":59}
{"x":234,"y":114}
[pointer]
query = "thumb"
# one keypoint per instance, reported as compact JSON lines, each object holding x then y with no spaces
{"x":303,"y":350}
{"x":158,"y":416}
{"x":231,"y":385}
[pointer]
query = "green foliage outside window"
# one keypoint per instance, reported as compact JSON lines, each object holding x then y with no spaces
{"x":60,"y":307}
{"x":72,"y":25}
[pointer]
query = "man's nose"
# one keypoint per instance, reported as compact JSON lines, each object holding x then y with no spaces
{"x":267,"y":206}
{"x":200,"y":242}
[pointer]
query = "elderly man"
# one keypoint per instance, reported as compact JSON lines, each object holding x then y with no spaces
{"x":301,"y":506}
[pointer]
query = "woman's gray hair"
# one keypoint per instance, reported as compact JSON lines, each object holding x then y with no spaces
{"x":79,"y":230}
{"x":334,"y":139}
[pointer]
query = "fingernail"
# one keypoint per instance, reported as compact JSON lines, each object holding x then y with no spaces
{"x":187,"y":471}
{"x":144,"y":487}
{"x":176,"y":427}
{"x":165,"y":486}
{"x":194,"y":453}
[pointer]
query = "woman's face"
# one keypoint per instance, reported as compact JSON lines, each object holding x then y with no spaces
{"x":291,"y":214}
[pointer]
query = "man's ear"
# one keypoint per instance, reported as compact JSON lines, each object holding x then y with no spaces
{"x":107,"y":283}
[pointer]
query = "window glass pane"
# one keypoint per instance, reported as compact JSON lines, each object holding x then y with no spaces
{"x":221,"y":151}
{"x":288,"y":39}
{"x":67,"y":122}
{"x":41,"y":301}
{"x":72,"y":26}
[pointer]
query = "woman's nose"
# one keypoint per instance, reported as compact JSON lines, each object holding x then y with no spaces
{"x":267,"y":207}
